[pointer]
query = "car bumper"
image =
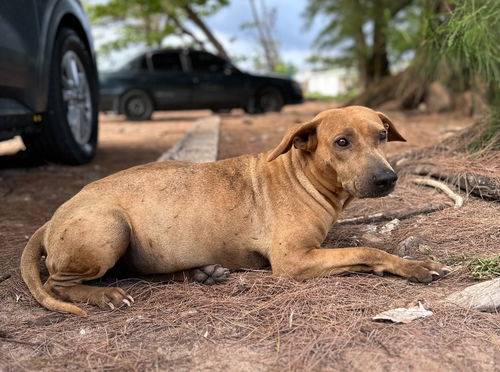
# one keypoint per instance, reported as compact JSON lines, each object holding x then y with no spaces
{"x":295,"y":99}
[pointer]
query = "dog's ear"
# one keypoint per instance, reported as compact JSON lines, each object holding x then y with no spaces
{"x":301,"y":136}
{"x":392,"y":132}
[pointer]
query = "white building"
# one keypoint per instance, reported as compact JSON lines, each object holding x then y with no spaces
{"x":328,"y":82}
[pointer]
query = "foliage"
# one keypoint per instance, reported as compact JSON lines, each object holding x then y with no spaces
{"x":314,"y":96}
{"x":150,"y":22}
{"x":369,"y":34}
{"x":463,"y":41}
{"x":485,"y":268}
{"x":285,"y":68}
{"x":466,"y":38}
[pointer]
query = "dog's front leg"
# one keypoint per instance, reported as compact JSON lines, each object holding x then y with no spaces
{"x":303,"y":264}
{"x":209,"y":274}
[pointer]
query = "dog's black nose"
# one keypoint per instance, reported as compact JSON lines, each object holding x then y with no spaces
{"x":385,"y":180}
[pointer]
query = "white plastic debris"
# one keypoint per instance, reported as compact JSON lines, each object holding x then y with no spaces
{"x":389,"y":226}
{"x":403,"y":314}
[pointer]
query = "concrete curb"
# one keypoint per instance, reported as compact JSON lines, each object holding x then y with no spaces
{"x":199,"y":144}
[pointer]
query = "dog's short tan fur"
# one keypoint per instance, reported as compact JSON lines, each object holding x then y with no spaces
{"x":244,"y":212}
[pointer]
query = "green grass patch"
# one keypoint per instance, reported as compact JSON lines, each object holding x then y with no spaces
{"x":312,"y":96}
{"x":485,"y":268}
{"x":341,"y":97}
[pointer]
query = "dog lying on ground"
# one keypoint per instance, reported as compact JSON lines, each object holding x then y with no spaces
{"x":246,"y":212}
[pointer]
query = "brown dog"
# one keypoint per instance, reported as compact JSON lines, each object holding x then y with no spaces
{"x":244,"y":212}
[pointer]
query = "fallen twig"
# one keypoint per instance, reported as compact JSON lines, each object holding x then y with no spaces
{"x":457,"y":199}
{"x":472,"y":183}
{"x":400,"y":215}
{"x":14,"y":341}
{"x":5,"y":277}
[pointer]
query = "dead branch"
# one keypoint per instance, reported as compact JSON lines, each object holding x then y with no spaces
{"x":5,"y":277}
{"x":457,"y":199}
{"x":472,"y":183}
{"x":400,"y":215}
{"x":14,"y":341}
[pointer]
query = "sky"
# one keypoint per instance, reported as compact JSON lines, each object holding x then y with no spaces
{"x":295,"y":41}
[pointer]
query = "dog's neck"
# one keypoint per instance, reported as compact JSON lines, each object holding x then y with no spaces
{"x":336,"y":196}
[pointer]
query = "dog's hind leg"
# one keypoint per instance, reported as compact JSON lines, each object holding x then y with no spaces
{"x":83,"y":249}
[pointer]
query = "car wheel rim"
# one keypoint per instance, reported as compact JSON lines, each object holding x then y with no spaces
{"x":77,"y":98}
{"x":136,"y":106}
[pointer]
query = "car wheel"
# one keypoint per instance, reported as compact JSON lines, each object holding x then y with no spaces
{"x":137,"y":105}
{"x":70,"y":133}
{"x":269,"y":100}
{"x":221,"y":111}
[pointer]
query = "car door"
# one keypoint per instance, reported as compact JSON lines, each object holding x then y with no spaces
{"x":19,"y":50}
{"x":170,"y":84}
{"x":216,"y":84}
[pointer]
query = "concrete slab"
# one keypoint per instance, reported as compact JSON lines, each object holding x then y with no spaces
{"x":199,"y":145}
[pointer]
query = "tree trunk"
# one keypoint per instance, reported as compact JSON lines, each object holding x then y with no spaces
{"x":378,"y":66}
{"x":361,"y":48}
{"x":210,"y":36}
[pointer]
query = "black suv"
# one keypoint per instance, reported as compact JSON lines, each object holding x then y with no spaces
{"x":48,"y":79}
{"x":176,"y":79}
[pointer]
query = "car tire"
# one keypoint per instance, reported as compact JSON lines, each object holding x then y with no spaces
{"x":268,"y":99}
{"x":137,"y":105}
{"x":221,"y":111}
{"x":69,"y":135}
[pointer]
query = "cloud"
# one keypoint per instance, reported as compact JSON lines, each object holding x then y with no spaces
{"x":294,"y":41}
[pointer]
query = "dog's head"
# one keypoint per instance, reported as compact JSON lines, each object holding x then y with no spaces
{"x":344,"y":146}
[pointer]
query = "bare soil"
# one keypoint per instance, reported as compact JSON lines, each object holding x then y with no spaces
{"x":255,"y":321}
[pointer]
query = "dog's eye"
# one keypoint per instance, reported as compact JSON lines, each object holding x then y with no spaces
{"x":342,"y":142}
{"x":382,"y":136}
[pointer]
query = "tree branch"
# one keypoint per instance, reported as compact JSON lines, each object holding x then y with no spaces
{"x":203,"y":27}
{"x":186,"y":31}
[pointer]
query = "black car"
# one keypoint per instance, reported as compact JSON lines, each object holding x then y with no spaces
{"x":176,"y":79}
{"x":48,"y":79}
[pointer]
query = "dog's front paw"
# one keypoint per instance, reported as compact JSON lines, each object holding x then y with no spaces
{"x":211,"y":274}
{"x":424,"y":271}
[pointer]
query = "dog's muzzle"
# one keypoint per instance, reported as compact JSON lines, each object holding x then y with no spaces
{"x":383,"y":182}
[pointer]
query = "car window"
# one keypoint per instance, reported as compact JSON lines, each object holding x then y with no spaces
{"x":169,"y":61}
{"x":206,"y":62}
{"x":137,"y":64}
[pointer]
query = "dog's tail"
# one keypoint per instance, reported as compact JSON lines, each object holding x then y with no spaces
{"x":31,"y":276}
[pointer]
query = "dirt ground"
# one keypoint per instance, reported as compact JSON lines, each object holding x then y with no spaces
{"x":255,"y":321}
